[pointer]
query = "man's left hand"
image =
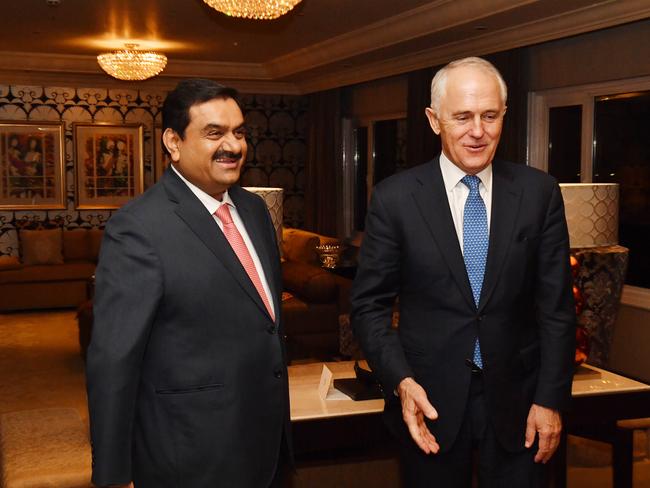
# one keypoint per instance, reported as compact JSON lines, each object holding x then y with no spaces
{"x":548,"y":423}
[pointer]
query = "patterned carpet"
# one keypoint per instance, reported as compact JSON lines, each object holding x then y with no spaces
{"x":40,"y":367}
{"x":40,"y":362}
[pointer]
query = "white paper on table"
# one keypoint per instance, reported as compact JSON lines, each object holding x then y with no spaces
{"x":325,"y":383}
{"x":335,"y":394}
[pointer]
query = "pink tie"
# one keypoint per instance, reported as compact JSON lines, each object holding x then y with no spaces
{"x":239,"y":246}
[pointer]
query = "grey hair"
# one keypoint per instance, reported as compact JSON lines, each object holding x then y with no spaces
{"x":439,"y":82}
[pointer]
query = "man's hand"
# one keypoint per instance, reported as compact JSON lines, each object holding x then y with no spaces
{"x":548,"y":423}
{"x":416,"y":406}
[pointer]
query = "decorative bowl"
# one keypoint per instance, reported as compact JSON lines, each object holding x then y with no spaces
{"x":330,"y":254}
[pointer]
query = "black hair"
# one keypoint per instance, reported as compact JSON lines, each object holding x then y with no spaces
{"x":190,"y":92}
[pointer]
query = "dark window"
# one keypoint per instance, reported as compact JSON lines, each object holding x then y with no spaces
{"x":388,"y":156}
{"x":564,"y":136}
{"x":622,"y":155}
{"x":360,"y":177}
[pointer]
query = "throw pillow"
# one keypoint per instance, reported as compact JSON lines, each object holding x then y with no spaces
{"x":41,"y":246}
{"x":9,"y":262}
{"x":76,"y":245}
{"x":300,"y":245}
{"x":95,"y":236}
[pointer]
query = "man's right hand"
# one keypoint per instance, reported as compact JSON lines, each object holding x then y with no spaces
{"x":416,"y":406}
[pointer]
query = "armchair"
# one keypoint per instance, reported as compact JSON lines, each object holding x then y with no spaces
{"x":314,"y":297}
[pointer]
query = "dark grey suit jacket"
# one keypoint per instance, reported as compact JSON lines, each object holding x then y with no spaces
{"x":186,"y":370}
{"x":525,"y":318}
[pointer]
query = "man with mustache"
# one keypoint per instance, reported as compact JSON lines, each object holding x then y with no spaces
{"x":477,"y":251}
{"x":186,"y":370}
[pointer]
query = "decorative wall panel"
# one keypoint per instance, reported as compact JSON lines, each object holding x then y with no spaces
{"x":276,"y":155}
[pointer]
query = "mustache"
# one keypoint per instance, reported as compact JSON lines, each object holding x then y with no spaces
{"x":221,"y":154}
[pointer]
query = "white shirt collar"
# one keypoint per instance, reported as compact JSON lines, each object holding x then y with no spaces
{"x":208,"y":201}
{"x":452,"y":174}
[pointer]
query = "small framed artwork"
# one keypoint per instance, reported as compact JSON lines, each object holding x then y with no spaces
{"x":162,"y":159}
{"x":108,"y":164}
{"x":32,"y":172}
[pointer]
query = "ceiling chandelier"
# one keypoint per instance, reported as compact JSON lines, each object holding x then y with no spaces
{"x":253,"y":9}
{"x":131,"y":63}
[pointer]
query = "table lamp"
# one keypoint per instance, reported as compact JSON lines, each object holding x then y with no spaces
{"x":273,"y":197}
{"x":600,"y":265}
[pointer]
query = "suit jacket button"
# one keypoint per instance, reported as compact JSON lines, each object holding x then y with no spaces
{"x":277,"y":373}
{"x":270,"y":329}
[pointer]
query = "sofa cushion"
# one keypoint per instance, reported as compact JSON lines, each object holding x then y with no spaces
{"x":75,"y":270}
{"x":95,"y":239}
{"x":9,"y":262}
{"x":41,"y":246}
{"x":76,"y":245}
{"x":300,"y":245}
{"x":310,"y":283}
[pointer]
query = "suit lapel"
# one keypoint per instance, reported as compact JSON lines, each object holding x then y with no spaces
{"x":433,"y":204}
{"x":505,"y":207}
{"x":198,"y":219}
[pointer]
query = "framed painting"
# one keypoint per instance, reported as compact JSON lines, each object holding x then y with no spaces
{"x":32,"y":172}
{"x":162,"y":159}
{"x":108,"y":164}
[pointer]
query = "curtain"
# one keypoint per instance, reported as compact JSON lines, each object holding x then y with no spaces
{"x":323,"y":172}
{"x":513,"y":66}
{"x":421,"y":142}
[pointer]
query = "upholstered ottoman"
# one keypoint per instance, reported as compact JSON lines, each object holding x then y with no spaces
{"x":46,"y":448}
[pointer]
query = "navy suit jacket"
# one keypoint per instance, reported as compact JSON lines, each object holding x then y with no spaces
{"x":186,"y":370}
{"x":525,"y":318}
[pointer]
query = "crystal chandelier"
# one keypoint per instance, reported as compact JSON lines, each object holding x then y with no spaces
{"x":131,"y":63}
{"x":253,"y":9}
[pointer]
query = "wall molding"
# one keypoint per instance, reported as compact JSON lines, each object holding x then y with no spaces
{"x":73,"y":63}
{"x":159,"y":83}
{"x":318,"y":67}
{"x":427,"y":19}
{"x":567,"y":24}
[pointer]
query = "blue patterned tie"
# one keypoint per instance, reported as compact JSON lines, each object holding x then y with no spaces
{"x":475,"y":245}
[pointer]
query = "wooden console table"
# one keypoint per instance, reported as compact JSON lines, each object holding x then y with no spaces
{"x":307,"y":405}
{"x":599,"y":401}
{"x":333,"y":426}
{"x":600,"y":398}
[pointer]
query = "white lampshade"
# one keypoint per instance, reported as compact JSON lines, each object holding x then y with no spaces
{"x":592,"y":213}
{"x":273,"y":198}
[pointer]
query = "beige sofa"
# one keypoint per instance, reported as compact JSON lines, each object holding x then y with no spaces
{"x":53,"y":270}
{"x":315,"y":297}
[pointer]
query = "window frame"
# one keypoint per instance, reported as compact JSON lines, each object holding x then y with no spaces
{"x":539,"y":104}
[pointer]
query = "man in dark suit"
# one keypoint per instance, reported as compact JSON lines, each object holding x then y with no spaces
{"x":187,"y":383}
{"x":476,"y":249}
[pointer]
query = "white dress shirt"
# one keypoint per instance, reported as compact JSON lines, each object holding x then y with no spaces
{"x":212,"y":204}
{"x":457,"y":192}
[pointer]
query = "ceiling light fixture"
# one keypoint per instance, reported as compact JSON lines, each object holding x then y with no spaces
{"x":253,"y":9}
{"x":132,"y":64}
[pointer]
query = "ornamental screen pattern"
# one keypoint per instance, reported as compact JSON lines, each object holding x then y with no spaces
{"x":277,"y":148}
